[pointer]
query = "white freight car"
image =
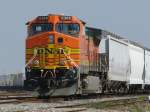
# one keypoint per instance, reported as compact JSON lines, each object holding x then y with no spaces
{"x":137,"y":64}
{"x":119,"y":60}
{"x":147,"y":67}
{"x":126,"y":63}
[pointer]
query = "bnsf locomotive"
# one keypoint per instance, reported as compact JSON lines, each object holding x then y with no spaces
{"x":65,"y":57}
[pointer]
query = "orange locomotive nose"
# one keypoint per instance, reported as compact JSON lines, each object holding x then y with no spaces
{"x":57,"y":41}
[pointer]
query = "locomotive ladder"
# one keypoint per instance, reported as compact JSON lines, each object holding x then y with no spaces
{"x":42,"y":57}
{"x":34,"y":56}
{"x":69,"y":58}
{"x":79,"y":91}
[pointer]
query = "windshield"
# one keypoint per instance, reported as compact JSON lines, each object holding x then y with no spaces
{"x":39,"y":27}
{"x":68,"y":28}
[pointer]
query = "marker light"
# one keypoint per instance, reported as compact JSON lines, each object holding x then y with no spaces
{"x":65,"y":18}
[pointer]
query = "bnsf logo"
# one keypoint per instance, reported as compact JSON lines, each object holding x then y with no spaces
{"x":52,"y":51}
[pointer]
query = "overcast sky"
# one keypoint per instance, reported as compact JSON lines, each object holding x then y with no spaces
{"x":128,"y":18}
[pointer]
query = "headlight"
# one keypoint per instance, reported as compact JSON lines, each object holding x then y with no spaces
{"x":51,"y":38}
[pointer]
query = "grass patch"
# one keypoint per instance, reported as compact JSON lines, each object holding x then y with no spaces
{"x":101,"y":105}
{"x":136,"y":108}
{"x":141,"y":106}
{"x":143,"y":98}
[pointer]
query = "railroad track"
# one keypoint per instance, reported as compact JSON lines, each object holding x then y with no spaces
{"x":75,"y":105}
{"x":16,"y":99}
{"x":61,"y":98}
{"x":27,"y":98}
{"x":19,"y":97}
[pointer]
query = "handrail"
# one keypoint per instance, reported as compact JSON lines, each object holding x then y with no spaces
{"x":34,"y":56}
{"x":68,"y":57}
